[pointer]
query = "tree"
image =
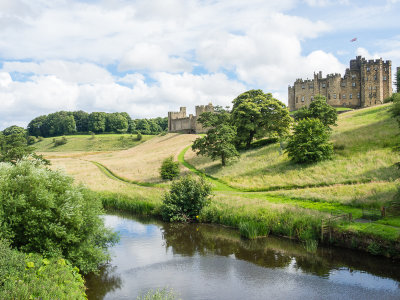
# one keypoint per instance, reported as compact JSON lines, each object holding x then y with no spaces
{"x":218,"y":143}
{"x":116,"y":122}
{"x":97,"y":122}
{"x":318,"y":109}
{"x":143,"y":126}
{"x":58,"y":123}
{"x":185,"y":199}
{"x":309,"y":142}
{"x":169,"y":169}
{"x":43,"y":211}
{"x":154,"y":127}
{"x":397,"y":80}
{"x":35,"y":126}
{"x":257,"y":115}
{"x":14,"y":129}
{"x":13,"y":147}
{"x":81,"y":120}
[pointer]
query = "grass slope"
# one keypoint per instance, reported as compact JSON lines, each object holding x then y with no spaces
{"x":100,"y":142}
{"x":365,"y":139}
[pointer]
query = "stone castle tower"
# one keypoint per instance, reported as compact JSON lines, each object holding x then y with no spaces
{"x":179,"y":122}
{"x":366,"y":83}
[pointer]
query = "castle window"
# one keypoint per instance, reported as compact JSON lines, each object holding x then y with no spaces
{"x":344,"y":96}
{"x":297,"y":99}
{"x":334,"y":96}
{"x":375,"y":77}
{"x":311,"y":86}
{"x":303,"y":87}
{"x":343,"y":84}
{"x":353,"y":84}
{"x":353,"y":76}
{"x":368,"y":69}
{"x":375,"y":68}
{"x":384,"y":77}
{"x":323,"y":85}
{"x":351,"y":96}
{"x":302,"y":99}
{"x":374,"y":87}
{"x":329,"y":96}
{"x":358,"y":95}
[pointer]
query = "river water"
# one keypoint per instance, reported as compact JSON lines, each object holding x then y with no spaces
{"x":200,"y":261}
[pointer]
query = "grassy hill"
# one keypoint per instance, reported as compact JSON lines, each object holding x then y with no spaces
{"x":100,"y":142}
{"x":262,"y":185}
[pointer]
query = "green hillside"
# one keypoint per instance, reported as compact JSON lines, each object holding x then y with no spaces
{"x":100,"y":142}
{"x":363,"y":143}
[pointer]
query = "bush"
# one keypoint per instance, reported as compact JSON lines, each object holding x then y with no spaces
{"x":30,"y":276}
{"x":185,"y":199}
{"x":169,"y":169}
{"x":309,"y":142}
{"x":60,"y":142}
{"x":43,"y":211}
{"x":139,"y":136}
{"x":30,"y":140}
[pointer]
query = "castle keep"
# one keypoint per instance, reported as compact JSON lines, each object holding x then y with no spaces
{"x":179,"y":122}
{"x":366,"y":83}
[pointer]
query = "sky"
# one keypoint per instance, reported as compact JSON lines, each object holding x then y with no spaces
{"x":148,"y":57}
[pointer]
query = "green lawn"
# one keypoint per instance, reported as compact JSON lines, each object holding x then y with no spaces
{"x":87,"y":143}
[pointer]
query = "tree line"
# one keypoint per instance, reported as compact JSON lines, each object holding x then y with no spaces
{"x":65,"y":122}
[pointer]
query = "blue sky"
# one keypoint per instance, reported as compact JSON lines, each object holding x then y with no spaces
{"x":147,"y":57}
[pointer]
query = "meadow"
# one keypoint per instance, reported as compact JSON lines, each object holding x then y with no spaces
{"x":263,"y":192}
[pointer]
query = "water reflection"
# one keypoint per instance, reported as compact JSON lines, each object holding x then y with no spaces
{"x":211,"y":262}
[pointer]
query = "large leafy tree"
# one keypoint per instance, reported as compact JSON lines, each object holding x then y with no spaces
{"x":97,"y":122}
{"x":143,"y":126}
{"x":13,"y":147}
{"x":218,"y":143}
{"x":309,"y":142}
{"x":116,"y":122}
{"x":318,"y":109}
{"x":58,"y":123}
{"x":35,"y":126}
{"x":256,"y":115}
{"x":81,"y":120}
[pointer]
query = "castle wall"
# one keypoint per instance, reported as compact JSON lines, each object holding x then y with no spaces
{"x":365,"y":83}
{"x":179,"y":122}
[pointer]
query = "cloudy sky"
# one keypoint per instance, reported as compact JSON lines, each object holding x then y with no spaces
{"x":147,"y":57}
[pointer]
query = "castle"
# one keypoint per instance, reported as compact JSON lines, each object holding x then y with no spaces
{"x":366,"y":83}
{"x":179,"y":122}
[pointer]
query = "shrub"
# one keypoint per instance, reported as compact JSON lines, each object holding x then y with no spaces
{"x":139,"y":136}
{"x":30,"y":140}
{"x":169,"y":169}
{"x":185,"y":199}
{"x":43,"y":211}
{"x":30,"y":276}
{"x":309,"y":142}
{"x":60,"y":142}
{"x":40,"y":138}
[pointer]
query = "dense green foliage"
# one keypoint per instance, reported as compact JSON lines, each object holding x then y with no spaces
{"x":257,"y":115}
{"x":309,"y":142}
{"x":397,"y":81}
{"x":395,"y":108}
{"x":318,"y":109}
{"x":185,"y":199}
{"x":218,"y":143}
{"x":65,"y":123}
{"x":42,"y":211}
{"x":30,"y":276}
{"x":169,"y":169}
{"x":13,"y":147}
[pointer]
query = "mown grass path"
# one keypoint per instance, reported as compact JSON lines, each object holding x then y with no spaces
{"x":110,"y":174}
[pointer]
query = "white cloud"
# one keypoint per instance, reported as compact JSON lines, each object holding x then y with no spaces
{"x":67,"y":71}
{"x":152,"y":58}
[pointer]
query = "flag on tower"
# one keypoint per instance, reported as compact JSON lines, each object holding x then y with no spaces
{"x":353,"y":40}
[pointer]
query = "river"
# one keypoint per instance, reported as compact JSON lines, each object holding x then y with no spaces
{"x":201,"y":261}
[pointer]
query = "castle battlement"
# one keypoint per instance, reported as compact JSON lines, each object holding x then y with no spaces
{"x":365,"y":83}
{"x":179,"y":122}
